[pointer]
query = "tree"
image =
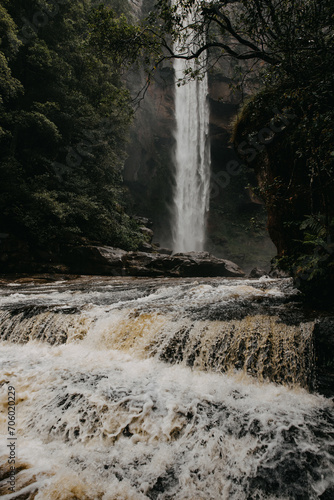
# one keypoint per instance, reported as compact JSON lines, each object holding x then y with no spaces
{"x":283,"y":33}
{"x":64,"y":113}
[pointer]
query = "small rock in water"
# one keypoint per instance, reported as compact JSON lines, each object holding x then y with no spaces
{"x":257,"y":273}
{"x":279,"y":273}
{"x":165,"y":251}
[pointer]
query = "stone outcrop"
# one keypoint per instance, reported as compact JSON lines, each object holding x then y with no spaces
{"x":113,"y":261}
{"x":257,"y":273}
{"x":92,"y":259}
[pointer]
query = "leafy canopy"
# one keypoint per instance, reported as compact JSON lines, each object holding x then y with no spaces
{"x":64,"y":118}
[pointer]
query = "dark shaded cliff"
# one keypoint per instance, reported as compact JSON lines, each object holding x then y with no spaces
{"x":285,"y":137}
{"x":148,"y":171}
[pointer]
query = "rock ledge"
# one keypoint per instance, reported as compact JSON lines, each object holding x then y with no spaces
{"x":116,"y":262}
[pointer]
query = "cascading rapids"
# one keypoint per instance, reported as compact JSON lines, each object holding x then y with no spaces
{"x":121,"y":395}
{"x":215,"y":326}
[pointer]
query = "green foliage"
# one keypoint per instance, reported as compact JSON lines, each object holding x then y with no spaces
{"x":312,"y":263}
{"x":296,"y":176}
{"x":283,"y":34}
{"x":64,"y":116}
{"x":124,"y":43}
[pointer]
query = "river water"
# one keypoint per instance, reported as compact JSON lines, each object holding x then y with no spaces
{"x":163,"y":389}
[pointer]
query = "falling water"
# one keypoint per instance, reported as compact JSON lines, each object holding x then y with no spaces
{"x":192,"y":156}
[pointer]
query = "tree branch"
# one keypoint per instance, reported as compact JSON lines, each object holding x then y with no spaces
{"x":255,"y":54}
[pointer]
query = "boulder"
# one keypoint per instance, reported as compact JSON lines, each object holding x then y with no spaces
{"x":148,"y":233}
{"x":113,"y":261}
{"x":90,"y":259}
{"x":106,"y":260}
{"x":257,"y":273}
{"x":146,"y":247}
{"x":205,"y":265}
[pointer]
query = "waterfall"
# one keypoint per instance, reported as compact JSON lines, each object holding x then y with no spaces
{"x":192,"y":155}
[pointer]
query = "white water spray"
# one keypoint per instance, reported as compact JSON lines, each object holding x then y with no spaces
{"x":120,"y":393}
{"x":192,"y":156}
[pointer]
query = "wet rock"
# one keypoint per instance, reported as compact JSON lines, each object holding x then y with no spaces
{"x":113,"y":261}
{"x":165,"y":251}
{"x":148,"y":233}
{"x":146,"y":247}
{"x":257,"y":273}
{"x":140,"y":264}
{"x":94,"y":259}
{"x":110,"y":261}
{"x":205,"y":264}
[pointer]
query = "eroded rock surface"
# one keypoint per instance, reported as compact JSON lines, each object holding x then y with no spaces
{"x":113,"y":261}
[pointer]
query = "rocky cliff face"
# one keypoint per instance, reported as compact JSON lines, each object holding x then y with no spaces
{"x":274,"y":134}
{"x":148,"y":170}
{"x":237,"y":221}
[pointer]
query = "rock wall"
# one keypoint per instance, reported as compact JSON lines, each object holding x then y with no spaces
{"x":148,"y":171}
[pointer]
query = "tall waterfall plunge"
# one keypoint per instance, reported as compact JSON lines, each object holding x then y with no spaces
{"x":192,"y":158}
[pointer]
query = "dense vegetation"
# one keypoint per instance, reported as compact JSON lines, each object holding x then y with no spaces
{"x":64,"y":116}
{"x":295,"y":162}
